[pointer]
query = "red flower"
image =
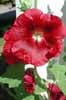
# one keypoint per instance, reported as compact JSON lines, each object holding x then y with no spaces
{"x":29,"y":81}
{"x":10,"y":57}
{"x":63,"y":97}
{"x":56,"y":93}
{"x":36,"y":37}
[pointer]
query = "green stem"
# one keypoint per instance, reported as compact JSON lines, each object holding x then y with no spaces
{"x":39,"y":80}
{"x":23,"y":71}
{"x":35,"y":3}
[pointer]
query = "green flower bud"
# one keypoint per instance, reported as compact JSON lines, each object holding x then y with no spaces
{"x":25,"y":4}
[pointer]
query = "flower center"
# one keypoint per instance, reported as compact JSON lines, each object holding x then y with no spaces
{"x":37,"y":36}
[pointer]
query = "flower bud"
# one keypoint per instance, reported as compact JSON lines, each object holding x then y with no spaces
{"x":29,"y":81}
{"x":55,"y":92}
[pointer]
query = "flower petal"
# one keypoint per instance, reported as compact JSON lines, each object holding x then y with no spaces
{"x":10,"y":58}
{"x":28,"y":53}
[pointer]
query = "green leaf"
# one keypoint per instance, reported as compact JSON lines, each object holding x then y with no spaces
{"x":31,"y":97}
{"x":1,"y":45}
{"x":50,"y":75}
{"x":38,"y":89}
{"x":65,"y":49}
{"x":64,"y":58}
{"x":14,"y":71}
{"x":11,"y":82}
{"x":20,"y":92}
{"x":23,"y":95}
{"x":42,"y":97}
{"x":36,"y":97}
{"x":2,"y":42}
{"x":60,"y":74}
{"x":13,"y":76}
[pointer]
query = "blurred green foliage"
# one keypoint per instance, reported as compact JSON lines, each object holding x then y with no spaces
{"x":25,"y":4}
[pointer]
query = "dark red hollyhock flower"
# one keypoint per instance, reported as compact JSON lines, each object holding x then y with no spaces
{"x":63,"y":97}
{"x":10,"y":58}
{"x":29,"y":81}
{"x":36,"y":37}
{"x":56,"y":93}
